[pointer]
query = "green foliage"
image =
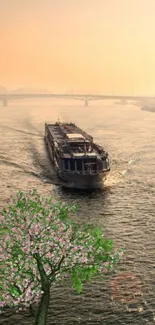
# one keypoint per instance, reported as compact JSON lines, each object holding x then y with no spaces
{"x":40,"y":244}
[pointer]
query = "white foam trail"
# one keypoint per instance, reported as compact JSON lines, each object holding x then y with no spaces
{"x":123,"y":172}
{"x":115,"y":176}
{"x":131,"y":161}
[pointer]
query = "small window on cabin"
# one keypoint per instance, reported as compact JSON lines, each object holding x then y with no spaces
{"x":86,"y":162}
{"x":66,"y":164}
{"x":90,"y":164}
{"x":93,"y":164}
{"x":79,"y":164}
{"x":72,"y":165}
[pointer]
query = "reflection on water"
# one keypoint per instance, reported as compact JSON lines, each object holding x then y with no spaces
{"x":124,"y":209}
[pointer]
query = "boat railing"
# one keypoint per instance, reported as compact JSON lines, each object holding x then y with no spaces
{"x":86,"y":172}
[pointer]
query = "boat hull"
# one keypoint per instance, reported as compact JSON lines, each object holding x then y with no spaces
{"x":82,"y":181}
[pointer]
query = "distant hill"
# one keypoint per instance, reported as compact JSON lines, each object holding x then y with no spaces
{"x":29,"y":91}
{"x":3,"y":90}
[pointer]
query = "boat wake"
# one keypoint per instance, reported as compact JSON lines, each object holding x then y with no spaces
{"x":115,"y":176}
{"x":118,"y":173}
{"x":27,"y":132}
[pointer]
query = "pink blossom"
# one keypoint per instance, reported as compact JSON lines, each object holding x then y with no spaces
{"x":49,"y":238}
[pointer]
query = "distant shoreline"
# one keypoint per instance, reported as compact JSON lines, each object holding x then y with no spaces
{"x":147,"y":108}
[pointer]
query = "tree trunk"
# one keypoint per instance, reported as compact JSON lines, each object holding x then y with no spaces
{"x":41,"y":316}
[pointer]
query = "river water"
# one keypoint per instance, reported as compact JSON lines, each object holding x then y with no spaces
{"x":125,"y":209}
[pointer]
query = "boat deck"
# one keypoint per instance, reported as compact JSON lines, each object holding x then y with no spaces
{"x":61,"y":132}
{"x":74,"y":142}
{"x":57,"y":136}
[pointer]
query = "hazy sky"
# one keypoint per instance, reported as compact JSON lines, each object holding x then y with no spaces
{"x":99,"y":46}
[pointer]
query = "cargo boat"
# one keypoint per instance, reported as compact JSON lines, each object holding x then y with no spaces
{"x":78,"y":161}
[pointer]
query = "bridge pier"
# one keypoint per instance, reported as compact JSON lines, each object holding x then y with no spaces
{"x":86,"y":102}
{"x":5,"y":102}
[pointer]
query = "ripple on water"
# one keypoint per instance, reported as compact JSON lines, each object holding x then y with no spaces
{"x":124,"y":209}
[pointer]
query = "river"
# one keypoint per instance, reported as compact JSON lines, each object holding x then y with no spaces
{"x":125,"y":209}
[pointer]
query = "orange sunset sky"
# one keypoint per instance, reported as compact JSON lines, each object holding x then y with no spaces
{"x":97,"y":46}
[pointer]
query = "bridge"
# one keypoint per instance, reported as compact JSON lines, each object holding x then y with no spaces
{"x":5,"y":98}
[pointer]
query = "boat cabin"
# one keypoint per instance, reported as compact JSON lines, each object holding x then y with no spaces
{"x":75,"y":150}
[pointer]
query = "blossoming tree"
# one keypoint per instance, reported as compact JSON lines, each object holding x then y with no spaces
{"x":40,"y":245}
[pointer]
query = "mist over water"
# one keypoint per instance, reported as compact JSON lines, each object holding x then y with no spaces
{"x":125,"y":209}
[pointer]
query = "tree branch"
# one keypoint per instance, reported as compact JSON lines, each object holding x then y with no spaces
{"x":81,"y":264}
{"x":57,"y":268}
{"x":44,"y":278}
